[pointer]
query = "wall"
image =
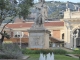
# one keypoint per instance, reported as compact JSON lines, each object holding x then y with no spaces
{"x":16,"y":40}
{"x":56,"y":34}
{"x":70,"y":14}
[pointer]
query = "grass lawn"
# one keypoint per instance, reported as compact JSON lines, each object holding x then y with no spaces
{"x":57,"y":57}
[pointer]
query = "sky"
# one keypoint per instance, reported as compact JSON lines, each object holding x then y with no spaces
{"x":62,"y":0}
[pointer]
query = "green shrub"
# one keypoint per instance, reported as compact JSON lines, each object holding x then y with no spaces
{"x":59,"y":51}
{"x":11,"y":51}
{"x":76,"y":51}
{"x":6,"y":57}
{"x":45,"y":51}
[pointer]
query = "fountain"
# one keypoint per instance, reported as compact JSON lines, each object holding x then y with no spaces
{"x":46,"y":57}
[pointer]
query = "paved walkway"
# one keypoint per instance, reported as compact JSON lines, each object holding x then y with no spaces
{"x":68,"y":50}
{"x":25,"y":57}
{"x":71,"y":55}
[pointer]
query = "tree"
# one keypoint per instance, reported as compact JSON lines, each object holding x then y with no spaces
{"x":13,"y":8}
{"x":24,"y":6}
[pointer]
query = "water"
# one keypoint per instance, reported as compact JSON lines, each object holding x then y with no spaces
{"x":46,"y":57}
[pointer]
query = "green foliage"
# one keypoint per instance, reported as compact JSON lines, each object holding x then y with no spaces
{"x":45,"y":51}
{"x":7,"y":9}
{"x":2,"y":4}
{"x":10,"y":51}
{"x":6,"y":35}
{"x":12,"y":8}
{"x":6,"y":57}
{"x":76,"y":51}
{"x":59,"y":51}
{"x":24,"y":8}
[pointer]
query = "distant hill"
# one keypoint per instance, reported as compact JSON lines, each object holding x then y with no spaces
{"x":55,"y":9}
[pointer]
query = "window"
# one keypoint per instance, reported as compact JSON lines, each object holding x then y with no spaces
{"x":49,"y":34}
{"x":17,"y":36}
{"x":63,"y":36}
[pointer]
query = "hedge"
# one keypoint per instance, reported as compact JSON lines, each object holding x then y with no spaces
{"x":45,"y":51}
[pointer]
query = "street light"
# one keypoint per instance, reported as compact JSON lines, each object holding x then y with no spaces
{"x":21,"y":35}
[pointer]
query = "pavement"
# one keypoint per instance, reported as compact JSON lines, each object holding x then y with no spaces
{"x":71,"y":55}
{"x":68,"y":50}
{"x":25,"y":57}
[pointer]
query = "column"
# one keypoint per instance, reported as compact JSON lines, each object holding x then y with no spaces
{"x":71,"y":39}
{"x":74,"y":40}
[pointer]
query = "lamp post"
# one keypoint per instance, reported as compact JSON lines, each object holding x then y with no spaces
{"x":20,"y":41}
{"x":21,"y":35}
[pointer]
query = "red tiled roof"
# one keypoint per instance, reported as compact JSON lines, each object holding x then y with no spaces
{"x":55,"y":23}
{"x":20,"y":25}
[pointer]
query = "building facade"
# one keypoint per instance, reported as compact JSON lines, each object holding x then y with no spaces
{"x":71,"y":28}
{"x":67,"y":30}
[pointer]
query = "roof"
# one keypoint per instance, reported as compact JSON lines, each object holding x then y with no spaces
{"x":55,"y":40}
{"x":29,"y":24}
{"x":54,"y":23}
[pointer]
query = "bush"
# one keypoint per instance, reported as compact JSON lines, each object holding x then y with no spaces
{"x":45,"y":51}
{"x":59,"y":51}
{"x":76,"y":51}
{"x":11,"y":51}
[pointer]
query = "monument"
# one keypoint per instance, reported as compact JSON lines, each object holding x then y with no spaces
{"x":38,"y":34}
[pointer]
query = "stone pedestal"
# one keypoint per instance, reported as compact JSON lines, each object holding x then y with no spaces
{"x":39,"y":38}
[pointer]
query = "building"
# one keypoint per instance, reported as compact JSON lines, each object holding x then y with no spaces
{"x":64,"y":33}
{"x":71,"y":28}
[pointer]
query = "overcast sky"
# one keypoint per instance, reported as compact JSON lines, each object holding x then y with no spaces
{"x":61,"y":0}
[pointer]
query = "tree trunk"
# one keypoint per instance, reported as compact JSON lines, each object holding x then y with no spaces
{"x":1,"y":42}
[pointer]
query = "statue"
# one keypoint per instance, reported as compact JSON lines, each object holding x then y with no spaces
{"x":41,"y":14}
{"x":38,"y":19}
